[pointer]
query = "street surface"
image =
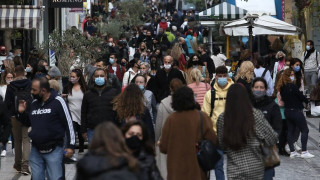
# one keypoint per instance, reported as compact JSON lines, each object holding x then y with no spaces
{"x":290,"y":169}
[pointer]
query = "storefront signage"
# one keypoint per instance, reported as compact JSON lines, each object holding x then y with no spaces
{"x":66,"y":3}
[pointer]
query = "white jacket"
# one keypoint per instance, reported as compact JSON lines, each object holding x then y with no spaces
{"x":128,"y":76}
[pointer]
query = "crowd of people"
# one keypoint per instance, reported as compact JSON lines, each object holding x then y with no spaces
{"x":144,"y":115}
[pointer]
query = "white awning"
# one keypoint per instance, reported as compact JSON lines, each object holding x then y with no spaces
{"x":20,"y":17}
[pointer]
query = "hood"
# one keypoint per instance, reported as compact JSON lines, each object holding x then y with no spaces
{"x":167,"y":104}
{"x":217,"y":87}
{"x":21,"y":83}
{"x":91,"y":165}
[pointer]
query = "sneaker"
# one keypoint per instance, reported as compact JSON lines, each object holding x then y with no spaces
{"x":294,"y":154}
{"x":17,"y":167}
{"x":287,"y":149}
{"x":9,"y":142}
{"x":306,"y":155}
{"x":3,"y":153}
{"x":296,"y":147}
{"x":26,"y":171}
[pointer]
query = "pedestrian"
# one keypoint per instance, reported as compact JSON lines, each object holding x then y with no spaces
{"x":5,"y":126}
{"x":199,"y":88}
{"x":293,"y":102}
{"x":50,"y":122}
{"x":165,"y":109}
{"x":218,"y":58}
{"x":149,"y":99}
{"x":206,"y":60}
{"x":130,"y":106}
{"x":140,"y":143}
{"x":270,"y":110}
{"x":134,"y":66}
{"x":73,"y":93}
{"x":195,"y":63}
{"x":163,"y":78}
{"x":177,"y":54}
{"x":245,"y":75}
{"x":214,"y":104}
{"x":19,"y":88}
{"x":114,"y":68}
{"x":297,"y":67}
{"x":112,"y":80}
{"x":241,"y":129}
{"x":96,"y":105}
{"x":311,"y":60}
{"x":108,"y":156}
{"x":189,"y":42}
{"x":144,"y":70}
{"x":279,"y":65}
{"x":182,"y":162}
{"x":260,"y":71}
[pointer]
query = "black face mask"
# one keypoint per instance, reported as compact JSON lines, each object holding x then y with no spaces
{"x":37,"y":97}
{"x":134,"y":143}
{"x":195,"y":63}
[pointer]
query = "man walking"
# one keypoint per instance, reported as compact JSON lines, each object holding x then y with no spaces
{"x":214,"y":104}
{"x":50,"y":122}
{"x":311,"y":59}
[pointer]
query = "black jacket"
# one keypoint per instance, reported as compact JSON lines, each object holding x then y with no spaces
{"x":292,"y":97}
{"x":160,"y":85}
{"x":148,"y":167}
{"x":5,"y":123}
{"x":210,"y":64}
{"x":271,"y":112}
{"x":97,"y":107}
{"x":99,"y":167}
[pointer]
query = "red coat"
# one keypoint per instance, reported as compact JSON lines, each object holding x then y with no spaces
{"x":119,"y":72}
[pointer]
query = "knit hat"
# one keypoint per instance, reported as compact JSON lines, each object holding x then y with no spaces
{"x":54,"y":72}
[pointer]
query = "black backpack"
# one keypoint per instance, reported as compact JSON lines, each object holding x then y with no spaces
{"x":21,"y":94}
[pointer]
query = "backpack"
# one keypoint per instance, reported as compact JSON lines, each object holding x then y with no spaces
{"x":263,"y":74}
{"x":21,"y":94}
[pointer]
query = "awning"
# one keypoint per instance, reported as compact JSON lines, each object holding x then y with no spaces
{"x":222,"y":12}
{"x":20,"y":17}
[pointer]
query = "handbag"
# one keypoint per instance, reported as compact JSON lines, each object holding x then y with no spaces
{"x":270,"y":155}
{"x":208,"y":155}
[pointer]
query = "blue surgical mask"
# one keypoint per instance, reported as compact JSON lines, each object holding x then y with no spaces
{"x":28,"y":69}
{"x":222,"y":81}
{"x":292,"y":78}
{"x":19,"y":55}
{"x":308,"y":47}
{"x":296,"y":69}
{"x":111,"y":61}
{"x":99,"y":81}
{"x":230,"y":74}
{"x":47,"y":68}
{"x":141,"y":87}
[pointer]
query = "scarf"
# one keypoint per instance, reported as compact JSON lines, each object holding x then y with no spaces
{"x":309,"y":52}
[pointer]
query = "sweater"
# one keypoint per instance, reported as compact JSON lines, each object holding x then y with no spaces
{"x":292,"y":97}
{"x":199,"y":91}
{"x":312,"y":63}
{"x":97,"y":107}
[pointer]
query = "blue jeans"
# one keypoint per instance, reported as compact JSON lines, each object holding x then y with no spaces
{"x":90,"y":135}
{"x":50,"y":163}
{"x":269,"y":174}
{"x":219,"y":167}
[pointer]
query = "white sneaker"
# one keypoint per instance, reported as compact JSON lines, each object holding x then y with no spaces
{"x":287,"y":149}
{"x":306,"y":155}
{"x":296,"y":147}
{"x":3,"y":153}
{"x":294,"y":154}
{"x":9,"y":142}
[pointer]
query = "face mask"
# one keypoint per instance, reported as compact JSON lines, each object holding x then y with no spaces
{"x":28,"y":69}
{"x":280,"y":58}
{"x":296,"y":69}
{"x":167,"y":66}
{"x":73,"y":80}
{"x":110,"y":44}
{"x":142,"y":71}
{"x":99,"y":81}
{"x":47,"y":68}
{"x":222,"y":81}
{"x":195,"y":62}
{"x":8,"y":81}
{"x":292,"y":78}
{"x":308,"y":47}
{"x":137,"y":36}
{"x":134,"y":143}
{"x":144,"y":33}
{"x":37,"y":97}
{"x":258,"y":94}
{"x":230,"y":74}
{"x":111,"y":61}
{"x":141,"y":87}
{"x":19,"y":55}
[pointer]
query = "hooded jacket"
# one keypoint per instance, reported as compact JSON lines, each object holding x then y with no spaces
{"x":99,"y":167}
{"x":51,"y":121}
{"x":165,"y":109}
{"x":189,"y":40}
{"x":219,"y":105}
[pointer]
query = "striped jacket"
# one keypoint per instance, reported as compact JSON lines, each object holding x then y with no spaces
{"x":246,"y":163}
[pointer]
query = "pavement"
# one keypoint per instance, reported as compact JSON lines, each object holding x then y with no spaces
{"x":290,"y":169}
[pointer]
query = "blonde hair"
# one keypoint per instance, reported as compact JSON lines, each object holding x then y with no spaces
{"x":280,"y":53}
{"x":246,"y":71}
{"x":176,"y":51}
{"x":54,"y":85}
{"x":196,"y":75}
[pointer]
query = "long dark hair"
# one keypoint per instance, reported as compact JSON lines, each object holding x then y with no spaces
{"x":238,"y":118}
{"x":81,"y":81}
{"x":108,"y":140}
{"x":146,"y":141}
{"x":299,"y":73}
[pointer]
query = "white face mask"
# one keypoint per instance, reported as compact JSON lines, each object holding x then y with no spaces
{"x":167,"y":66}
{"x":8,"y":81}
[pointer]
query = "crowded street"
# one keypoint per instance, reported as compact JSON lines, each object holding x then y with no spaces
{"x":160,"y":90}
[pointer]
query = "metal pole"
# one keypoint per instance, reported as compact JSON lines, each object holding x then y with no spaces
{"x":210,"y":39}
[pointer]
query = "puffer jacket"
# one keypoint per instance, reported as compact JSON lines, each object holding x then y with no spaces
{"x":165,"y":109}
{"x":200,"y":90}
